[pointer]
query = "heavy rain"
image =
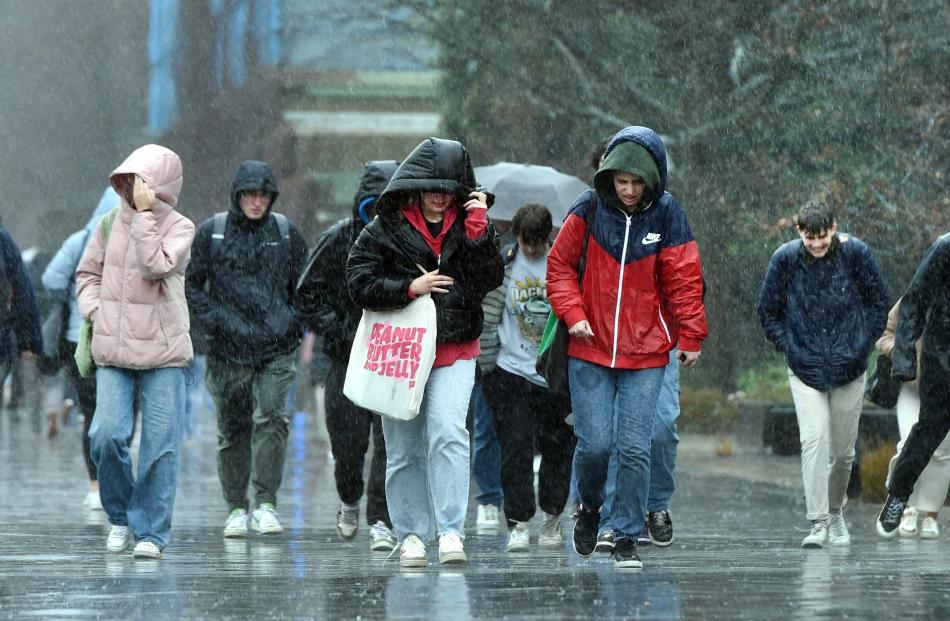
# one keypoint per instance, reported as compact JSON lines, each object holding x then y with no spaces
{"x":454,"y":309}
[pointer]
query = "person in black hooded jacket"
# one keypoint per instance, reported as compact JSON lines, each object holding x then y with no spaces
{"x":328,"y":311}
{"x":429,"y":216}
{"x":240,"y":287}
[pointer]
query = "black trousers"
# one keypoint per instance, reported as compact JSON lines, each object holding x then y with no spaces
{"x":86,"y":392}
{"x":349,"y":428}
{"x":929,"y":430}
{"x":527,"y":416}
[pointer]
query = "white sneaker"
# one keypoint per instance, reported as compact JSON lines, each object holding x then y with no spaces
{"x":817,"y":537}
{"x":146,"y":549}
{"x":519,"y":539}
{"x":118,"y":539}
{"x":929,"y":529}
{"x":838,"y":534}
{"x":264,"y":520}
{"x":450,"y":549}
{"x":347,"y":522}
{"x":487,"y":516}
{"x":381,"y":538}
{"x":412,"y":552}
{"x":550,"y":535}
{"x":236,"y":525}
{"x":908,"y":527}
{"x":92,"y":501}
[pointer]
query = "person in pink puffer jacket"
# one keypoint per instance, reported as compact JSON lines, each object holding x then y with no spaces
{"x":132,"y":288}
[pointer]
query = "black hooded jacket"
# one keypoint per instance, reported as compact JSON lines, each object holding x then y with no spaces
{"x":322,"y":301}
{"x":383,"y":261}
{"x":242,"y":293}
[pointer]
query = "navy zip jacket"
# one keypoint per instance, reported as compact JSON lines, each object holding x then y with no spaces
{"x":824,"y":314}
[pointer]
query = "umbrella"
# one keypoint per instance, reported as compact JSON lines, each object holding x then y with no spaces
{"x":515,"y":185}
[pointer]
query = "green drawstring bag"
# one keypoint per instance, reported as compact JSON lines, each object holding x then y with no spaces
{"x":83,"y":355}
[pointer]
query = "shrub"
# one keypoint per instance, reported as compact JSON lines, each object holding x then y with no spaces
{"x":875,"y":457}
{"x":767,"y":381}
{"x":706,"y":410}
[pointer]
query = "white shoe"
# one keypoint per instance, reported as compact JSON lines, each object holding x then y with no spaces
{"x":92,"y":501}
{"x":838,"y":534}
{"x":817,"y":537}
{"x":550,"y":535}
{"x":412,"y":552}
{"x":519,"y":539}
{"x":929,"y":529}
{"x":347,"y":522}
{"x":264,"y":520}
{"x":146,"y":549}
{"x":118,"y":539}
{"x":487,"y":516}
{"x":236,"y":525}
{"x":450,"y":549}
{"x":381,"y":538}
{"x":908,"y":527}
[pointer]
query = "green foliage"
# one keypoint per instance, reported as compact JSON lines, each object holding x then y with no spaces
{"x":763,"y":105}
{"x":706,"y":410}
{"x":767,"y":381}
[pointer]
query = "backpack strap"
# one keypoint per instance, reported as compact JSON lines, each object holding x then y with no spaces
{"x":283,"y":226}
{"x":217,"y":233}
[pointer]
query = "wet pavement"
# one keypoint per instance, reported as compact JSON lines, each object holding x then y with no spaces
{"x":736,"y":556}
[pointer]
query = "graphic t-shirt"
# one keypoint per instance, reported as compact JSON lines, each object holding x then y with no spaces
{"x":523,"y":318}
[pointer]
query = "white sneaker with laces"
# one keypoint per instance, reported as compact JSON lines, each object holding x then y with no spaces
{"x":264,"y":520}
{"x":908,"y":527}
{"x":146,"y":549}
{"x":118,"y":539}
{"x":838,"y":534}
{"x":381,"y":538}
{"x":487,"y":516}
{"x":236,"y":524}
{"x":519,"y":539}
{"x":929,"y":529}
{"x":412,"y":552}
{"x":817,"y":537}
{"x":451,"y":549}
{"x":347,"y":521}
{"x":92,"y":501}
{"x":550,"y":535}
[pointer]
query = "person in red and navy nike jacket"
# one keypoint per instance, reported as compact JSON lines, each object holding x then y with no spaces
{"x":640,"y":295}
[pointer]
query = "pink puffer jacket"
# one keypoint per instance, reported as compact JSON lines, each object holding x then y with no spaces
{"x":134,"y":289}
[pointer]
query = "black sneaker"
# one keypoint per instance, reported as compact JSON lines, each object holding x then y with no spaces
{"x":625,"y":555}
{"x":585,"y":530}
{"x":605,"y":541}
{"x":890,"y":517}
{"x":660,"y":528}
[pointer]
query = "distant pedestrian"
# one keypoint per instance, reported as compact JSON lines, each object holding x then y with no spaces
{"x":924,"y":314}
{"x":59,"y":279}
{"x":20,"y":335}
{"x":240,"y":283}
{"x":328,"y":310}
{"x":429,"y":216}
{"x":641,"y":295}
{"x":132,"y":289}
{"x":525,"y":413}
{"x":823,"y":304}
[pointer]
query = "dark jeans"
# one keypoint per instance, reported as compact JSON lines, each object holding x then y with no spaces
{"x":86,"y":392}
{"x":349,"y":428}
{"x":527,"y":416}
{"x":929,"y":430}
{"x":252,"y":425}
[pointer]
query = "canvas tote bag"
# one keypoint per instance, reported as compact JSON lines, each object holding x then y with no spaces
{"x":391,"y":358}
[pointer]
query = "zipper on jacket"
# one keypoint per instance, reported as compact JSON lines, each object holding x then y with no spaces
{"x":623,"y":260}
{"x":666,"y":329}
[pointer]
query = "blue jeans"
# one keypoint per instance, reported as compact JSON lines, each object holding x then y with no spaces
{"x":427,"y":458}
{"x":605,"y":400}
{"x":143,"y":503}
{"x":662,"y":449}
{"x":486,"y":452}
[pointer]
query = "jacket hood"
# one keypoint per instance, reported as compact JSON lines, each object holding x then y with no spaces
{"x":109,"y":200}
{"x":435,"y":165}
{"x":158,"y":166}
{"x":376,"y":175}
{"x":253,"y":175}
{"x":644,"y":137}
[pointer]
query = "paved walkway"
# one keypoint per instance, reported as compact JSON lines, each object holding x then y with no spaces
{"x":736,"y":554}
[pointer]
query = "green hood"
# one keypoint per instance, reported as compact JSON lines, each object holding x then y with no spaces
{"x":628,"y":157}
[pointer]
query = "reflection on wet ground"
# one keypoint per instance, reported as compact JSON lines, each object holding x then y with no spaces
{"x":736,"y":555}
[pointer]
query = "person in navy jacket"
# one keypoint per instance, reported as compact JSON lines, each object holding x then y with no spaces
{"x":824,"y":304}
{"x":641,"y":295}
